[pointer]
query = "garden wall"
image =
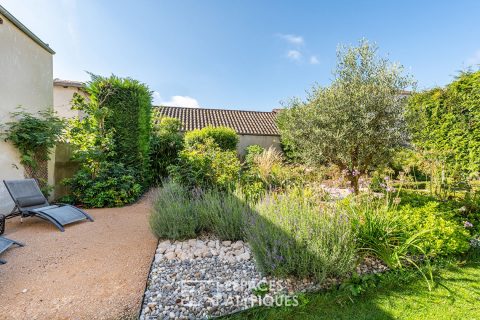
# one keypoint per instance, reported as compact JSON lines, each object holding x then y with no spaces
{"x":263,"y":141}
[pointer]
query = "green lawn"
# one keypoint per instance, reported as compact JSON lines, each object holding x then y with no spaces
{"x":457,"y":297}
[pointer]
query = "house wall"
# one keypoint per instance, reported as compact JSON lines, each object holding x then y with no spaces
{"x":263,"y":141}
{"x":62,"y":101}
{"x":26,"y":79}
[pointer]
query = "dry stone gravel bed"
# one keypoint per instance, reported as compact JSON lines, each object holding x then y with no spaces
{"x":201,"y":278}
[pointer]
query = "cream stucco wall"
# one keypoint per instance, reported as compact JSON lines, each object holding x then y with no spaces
{"x":263,"y":141}
{"x":62,"y":100}
{"x":26,"y":79}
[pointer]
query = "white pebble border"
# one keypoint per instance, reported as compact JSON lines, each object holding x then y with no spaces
{"x":204,"y":278}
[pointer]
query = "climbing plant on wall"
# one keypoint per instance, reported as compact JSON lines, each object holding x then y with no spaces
{"x":34,"y":135}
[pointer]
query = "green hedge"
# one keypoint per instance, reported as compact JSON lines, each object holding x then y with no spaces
{"x":129,"y":103}
{"x":445,"y":122}
{"x":224,"y":137}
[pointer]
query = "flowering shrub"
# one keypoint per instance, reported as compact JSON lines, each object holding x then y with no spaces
{"x":290,"y":236}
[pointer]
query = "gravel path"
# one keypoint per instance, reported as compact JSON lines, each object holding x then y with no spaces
{"x":201,"y":278}
{"x":91,"y":271}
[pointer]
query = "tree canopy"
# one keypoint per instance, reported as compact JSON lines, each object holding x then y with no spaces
{"x":357,"y":121}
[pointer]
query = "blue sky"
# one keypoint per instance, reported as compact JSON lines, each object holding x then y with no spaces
{"x":249,"y":55}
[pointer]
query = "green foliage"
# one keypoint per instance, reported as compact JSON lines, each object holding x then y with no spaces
{"x":34,"y":135}
{"x":223,"y":214}
{"x":264,"y":171}
{"x":165,"y":144}
{"x":251,"y":152}
{"x":396,"y":232}
{"x":356,"y":122}
{"x":224,"y":137}
{"x":129,"y":104}
{"x":207,"y":166}
{"x":173,"y":214}
{"x":290,"y":236}
{"x":445,"y":127}
{"x":112,"y":185}
{"x":111,"y":142}
{"x":445,"y":237}
{"x":92,"y":142}
{"x":179,"y":214}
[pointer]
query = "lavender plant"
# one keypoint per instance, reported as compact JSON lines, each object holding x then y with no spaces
{"x":289,"y":235}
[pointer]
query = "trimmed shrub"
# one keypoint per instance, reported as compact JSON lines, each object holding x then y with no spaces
{"x":112,"y":185}
{"x":173,"y":214}
{"x":224,"y":137}
{"x":290,"y":236}
{"x":165,"y":144}
{"x":206,"y":166}
{"x":223,"y":214}
{"x":129,"y":104}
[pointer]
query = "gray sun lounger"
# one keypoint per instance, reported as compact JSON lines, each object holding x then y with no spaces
{"x":29,"y":202}
{"x":5,"y":244}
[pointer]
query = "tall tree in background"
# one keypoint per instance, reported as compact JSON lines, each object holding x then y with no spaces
{"x":357,"y":122}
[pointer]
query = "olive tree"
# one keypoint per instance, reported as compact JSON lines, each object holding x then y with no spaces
{"x":355,"y":123}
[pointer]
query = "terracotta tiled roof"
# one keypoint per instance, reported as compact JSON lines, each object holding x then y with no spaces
{"x":243,"y":122}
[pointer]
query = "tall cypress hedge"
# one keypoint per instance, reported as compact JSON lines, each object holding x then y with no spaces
{"x":129,"y":104}
{"x":446,"y":122}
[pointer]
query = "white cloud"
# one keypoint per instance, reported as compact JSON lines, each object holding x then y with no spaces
{"x":475,"y":59}
{"x":175,"y":101}
{"x":314,"y":60}
{"x":294,"y":55}
{"x":292,"y":39}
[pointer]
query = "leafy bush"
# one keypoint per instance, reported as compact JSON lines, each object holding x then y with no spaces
{"x":112,"y":185}
{"x":173,"y":214}
{"x":224,"y":137}
{"x":396,"y":232}
{"x":445,"y":236}
{"x":251,"y":152}
{"x":223,"y":214}
{"x":165,"y":145}
{"x":290,"y":236}
{"x":206,"y":166}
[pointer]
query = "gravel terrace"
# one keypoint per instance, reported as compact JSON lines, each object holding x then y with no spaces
{"x":91,"y":271}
